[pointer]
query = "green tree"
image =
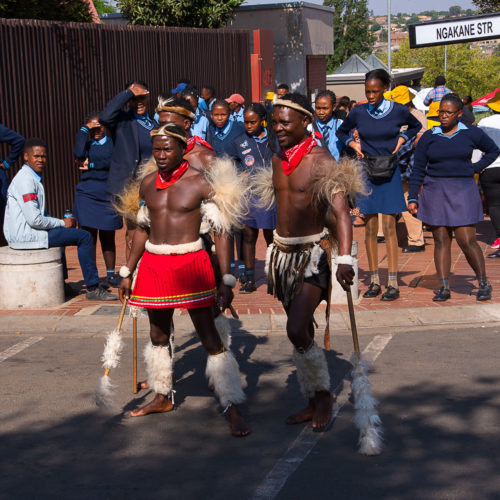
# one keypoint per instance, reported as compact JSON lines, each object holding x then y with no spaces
{"x":375,"y":27}
{"x":50,"y":10}
{"x":185,"y":13}
{"x":351,"y":34}
{"x":487,"y":5}
{"x":455,"y":10}
{"x":469,"y":71}
{"x":103,"y":7}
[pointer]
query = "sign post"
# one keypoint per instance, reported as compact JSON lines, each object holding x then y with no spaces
{"x":463,"y":29}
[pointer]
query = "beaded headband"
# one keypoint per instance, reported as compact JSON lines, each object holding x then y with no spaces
{"x":163,"y":105}
{"x":163,"y":131}
{"x":292,"y":105}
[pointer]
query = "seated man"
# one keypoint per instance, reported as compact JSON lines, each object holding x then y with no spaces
{"x":28,"y":227}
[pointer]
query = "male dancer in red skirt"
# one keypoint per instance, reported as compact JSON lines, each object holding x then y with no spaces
{"x":175,"y":271}
{"x":306,"y":181}
{"x":199,"y":154}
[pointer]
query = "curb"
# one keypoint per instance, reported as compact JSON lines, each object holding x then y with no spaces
{"x":88,"y":323}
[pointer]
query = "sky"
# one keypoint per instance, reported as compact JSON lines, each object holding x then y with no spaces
{"x":409,"y":6}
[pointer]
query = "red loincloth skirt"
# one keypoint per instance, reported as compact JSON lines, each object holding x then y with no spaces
{"x":185,"y":281}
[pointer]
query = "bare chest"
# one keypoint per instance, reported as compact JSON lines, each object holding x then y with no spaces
{"x":180,"y":197}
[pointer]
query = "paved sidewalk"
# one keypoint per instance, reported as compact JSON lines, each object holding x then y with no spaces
{"x":417,"y":278}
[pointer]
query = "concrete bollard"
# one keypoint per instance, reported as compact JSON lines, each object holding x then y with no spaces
{"x":31,"y":279}
{"x":338,"y":294}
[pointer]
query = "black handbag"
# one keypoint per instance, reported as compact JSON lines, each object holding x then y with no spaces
{"x":380,"y":167}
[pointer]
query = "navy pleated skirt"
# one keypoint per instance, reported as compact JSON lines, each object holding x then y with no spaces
{"x":384,"y":197}
{"x":449,"y":201}
{"x":260,"y":218}
{"x":92,"y":207}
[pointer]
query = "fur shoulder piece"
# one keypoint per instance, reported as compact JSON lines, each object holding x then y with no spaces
{"x":262,"y":188}
{"x":228,"y":203}
{"x":127,"y":203}
{"x":331,"y":177}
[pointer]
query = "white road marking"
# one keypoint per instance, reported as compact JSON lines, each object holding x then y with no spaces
{"x":376,"y":346}
{"x":271,"y":485}
{"x":17,"y":348}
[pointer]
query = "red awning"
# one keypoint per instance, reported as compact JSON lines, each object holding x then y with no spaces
{"x":484,"y":100}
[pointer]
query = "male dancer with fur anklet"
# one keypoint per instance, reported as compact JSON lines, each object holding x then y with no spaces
{"x":175,"y":270}
{"x":306,"y":181}
{"x":200,"y":155}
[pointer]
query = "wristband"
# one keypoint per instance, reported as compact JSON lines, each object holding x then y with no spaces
{"x":344,"y":259}
{"x":229,"y":280}
{"x":124,"y":272}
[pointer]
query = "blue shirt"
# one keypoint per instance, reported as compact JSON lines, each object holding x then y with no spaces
{"x":200,"y":126}
{"x":380,"y":109}
{"x":439,"y":131}
{"x":334,"y":145}
{"x":37,"y":176}
{"x":238,"y":117}
{"x":221,"y":139}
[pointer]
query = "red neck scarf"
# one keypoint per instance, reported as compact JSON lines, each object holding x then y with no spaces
{"x":165,"y":180}
{"x":192,"y":141}
{"x":293,"y":156}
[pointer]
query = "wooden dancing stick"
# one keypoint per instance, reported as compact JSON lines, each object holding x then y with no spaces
{"x":134,"y":330}
{"x":352,"y":319}
{"x":366,"y":417}
{"x":110,"y":359}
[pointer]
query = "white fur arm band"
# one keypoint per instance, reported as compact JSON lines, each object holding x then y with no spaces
{"x":344,"y":259}
{"x":125,"y":272}
{"x":229,"y":280}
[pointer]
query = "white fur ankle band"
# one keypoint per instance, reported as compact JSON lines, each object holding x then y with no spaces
{"x":125,"y":272}
{"x":229,"y":280}
{"x":344,"y":259}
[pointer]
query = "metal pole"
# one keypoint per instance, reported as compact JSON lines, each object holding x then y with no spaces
{"x":445,"y":59}
{"x":389,"y":36}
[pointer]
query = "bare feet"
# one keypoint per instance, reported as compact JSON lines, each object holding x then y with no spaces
{"x":323,"y":411}
{"x":239,"y":428}
{"x":160,"y":404}
{"x":306,"y":415}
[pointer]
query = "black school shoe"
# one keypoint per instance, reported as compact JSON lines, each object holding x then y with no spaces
{"x":484,"y":292}
{"x":390,"y":294}
{"x":373,"y":290}
{"x":442,"y":295}
{"x":414,"y":248}
{"x":248,"y":287}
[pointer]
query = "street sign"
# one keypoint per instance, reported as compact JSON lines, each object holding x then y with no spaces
{"x":463,"y":29}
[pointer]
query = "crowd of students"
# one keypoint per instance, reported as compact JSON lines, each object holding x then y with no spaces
{"x":426,"y":176}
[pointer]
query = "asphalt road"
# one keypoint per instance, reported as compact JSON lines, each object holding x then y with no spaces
{"x":439,"y":392}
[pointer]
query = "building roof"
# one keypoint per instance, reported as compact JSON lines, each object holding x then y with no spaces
{"x":375,"y":63}
{"x":284,"y":5}
{"x":353,"y":65}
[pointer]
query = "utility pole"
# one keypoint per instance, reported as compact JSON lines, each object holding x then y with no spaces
{"x":445,"y":59}
{"x":389,"y":36}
